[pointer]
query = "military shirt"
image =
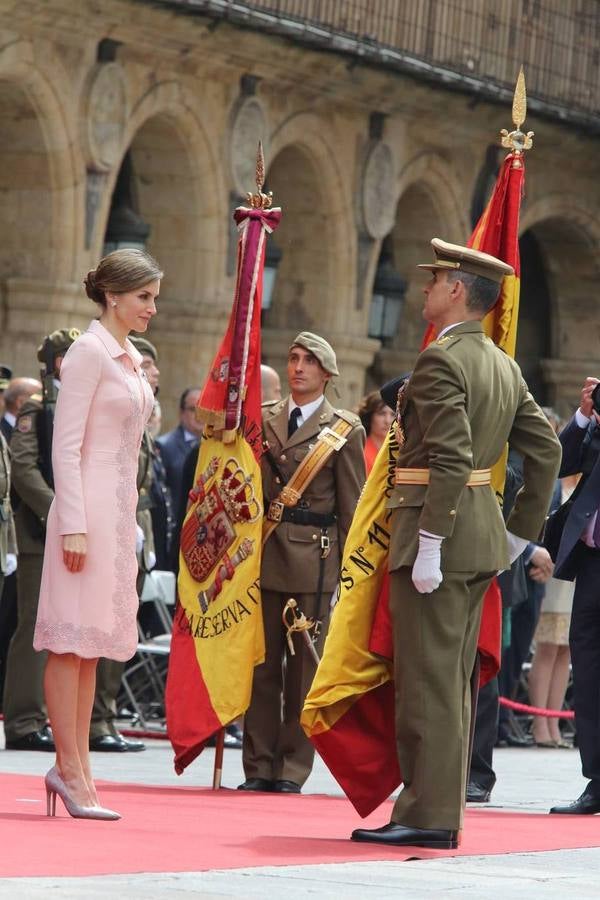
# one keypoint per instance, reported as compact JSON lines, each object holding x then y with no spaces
{"x":34,"y":491}
{"x":291,"y":556}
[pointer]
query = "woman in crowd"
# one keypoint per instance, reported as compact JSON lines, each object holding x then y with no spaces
{"x":88,"y":600}
{"x":376,"y":418}
{"x":549,"y":673}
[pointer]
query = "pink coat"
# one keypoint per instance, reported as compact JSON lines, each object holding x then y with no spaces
{"x":103,"y":404}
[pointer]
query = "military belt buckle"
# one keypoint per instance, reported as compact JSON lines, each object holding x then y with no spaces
{"x":275,"y":512}
{"x":332,"y":438}
{"x":325,"y":545}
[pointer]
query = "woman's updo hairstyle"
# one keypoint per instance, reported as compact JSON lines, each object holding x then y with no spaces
{"x":120,"y":272}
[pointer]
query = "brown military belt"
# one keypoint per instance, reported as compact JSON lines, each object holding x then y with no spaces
{"x":329,"y":441}
{"x":477,"y":478}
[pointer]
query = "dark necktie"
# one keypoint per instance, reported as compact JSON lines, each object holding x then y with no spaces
{"x":293,"y":420}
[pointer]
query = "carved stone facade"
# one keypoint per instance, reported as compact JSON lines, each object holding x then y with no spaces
{"x":186,"y":101}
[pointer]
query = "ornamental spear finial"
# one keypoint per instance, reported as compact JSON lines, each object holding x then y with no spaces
{"x":260,"y":200}
{"x":516,"y":140}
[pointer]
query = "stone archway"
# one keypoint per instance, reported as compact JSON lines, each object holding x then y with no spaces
{"x":428,"y":206}
{"x":315,"y":288}
{"x":567,"y":242}
{"x":38,"y":186}
{"x":177,"y":187}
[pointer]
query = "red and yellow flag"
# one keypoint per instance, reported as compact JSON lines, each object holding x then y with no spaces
{"x":218,"y":633}
{"x":349,"y":711}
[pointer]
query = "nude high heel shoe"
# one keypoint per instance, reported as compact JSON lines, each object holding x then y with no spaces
{"x":55,"y":785}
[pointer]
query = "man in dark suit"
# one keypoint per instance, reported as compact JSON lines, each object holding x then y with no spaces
{"x":578,"y":556}
{"x":176,"y":444}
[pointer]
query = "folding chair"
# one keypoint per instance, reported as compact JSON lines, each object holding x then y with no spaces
{"x":144,"y":677}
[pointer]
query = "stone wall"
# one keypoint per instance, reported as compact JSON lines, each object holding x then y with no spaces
{"x":354,"y":154}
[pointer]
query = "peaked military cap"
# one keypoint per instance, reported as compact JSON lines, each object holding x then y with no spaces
{"x":319,"y":347}
{"x":57,"y":343}
{"x":143,"y":346}
{"x":454,"y":257}
{"x":5,"y":376}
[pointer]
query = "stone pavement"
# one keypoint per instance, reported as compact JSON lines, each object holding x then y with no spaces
{"x":528,"y":780}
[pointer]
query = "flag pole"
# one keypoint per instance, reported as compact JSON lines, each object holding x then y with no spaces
{"x":258,"y":201}
{"x":219,"y":753}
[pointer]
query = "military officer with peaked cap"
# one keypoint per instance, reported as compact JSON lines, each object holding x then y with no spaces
{"x":463,"y":402}
{"x":301,"y":559}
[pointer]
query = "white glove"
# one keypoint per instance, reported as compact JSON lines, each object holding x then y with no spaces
{"x":516,"y":545}
{"x":151,"y":559}
{"x":426,"y":571}
{"x":11,"y":563}
{"x":139,"y":539}
{"x":334,"y":599}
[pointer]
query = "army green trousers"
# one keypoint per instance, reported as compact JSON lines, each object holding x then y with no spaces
{"x":435,"y":642}
{"x":275,"y":746}
{"x":23,"y":701}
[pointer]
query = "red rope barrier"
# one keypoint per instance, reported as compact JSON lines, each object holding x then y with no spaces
{"x":536,"y":710}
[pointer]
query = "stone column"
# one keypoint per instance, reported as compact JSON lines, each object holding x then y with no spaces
{"x":34,"y":308}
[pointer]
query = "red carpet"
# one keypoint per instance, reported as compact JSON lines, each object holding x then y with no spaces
{"x":181,"y":829}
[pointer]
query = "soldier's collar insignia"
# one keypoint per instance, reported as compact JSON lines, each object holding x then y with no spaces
{"x":24,"y":424}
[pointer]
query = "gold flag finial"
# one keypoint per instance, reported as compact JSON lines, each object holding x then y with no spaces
{"x":260,"y":200}
{"x":516,"y":140}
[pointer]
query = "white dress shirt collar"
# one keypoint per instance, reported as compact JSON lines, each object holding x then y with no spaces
{"x":307,"y":410}
{"x":447,"y":328}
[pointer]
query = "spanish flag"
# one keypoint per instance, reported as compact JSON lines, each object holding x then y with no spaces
{"x":218,"y":633}
{"x":349,"y":711}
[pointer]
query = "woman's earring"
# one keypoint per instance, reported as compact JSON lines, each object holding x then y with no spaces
{"x":113,"y":302}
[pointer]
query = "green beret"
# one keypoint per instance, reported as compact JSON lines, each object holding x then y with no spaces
{"x":5,"y":376}
{"x":144,"y":347}
{"x":57,"y":343}
{"x":319,"y":347}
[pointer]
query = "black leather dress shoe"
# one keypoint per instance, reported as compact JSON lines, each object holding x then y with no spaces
{"x":287,"y":787}
{"x":477,"y":793}
{"x":115,"y":743}
{"x":256,"y":784}
{"x":402,"y":836}
{"x":586,"y":805}
{"x":511,"y":740}
{"x":35,"y":740}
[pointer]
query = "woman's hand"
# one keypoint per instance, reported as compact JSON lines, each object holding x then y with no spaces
{"x":74,"y":551}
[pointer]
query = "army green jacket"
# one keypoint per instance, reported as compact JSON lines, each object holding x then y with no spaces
{"x":466,"y":399}
{"x":29,"y":483}
{"x":291,"y":555}
{"x":145,"y":476}
{"x":8,"y":542}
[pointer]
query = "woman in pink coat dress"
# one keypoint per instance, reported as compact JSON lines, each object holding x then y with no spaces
{"x":88,"y":601}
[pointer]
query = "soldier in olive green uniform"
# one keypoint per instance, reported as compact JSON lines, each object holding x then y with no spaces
{"x":301,"y":559}
{"x":464,"y":401}
{"x":8,"y":541}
